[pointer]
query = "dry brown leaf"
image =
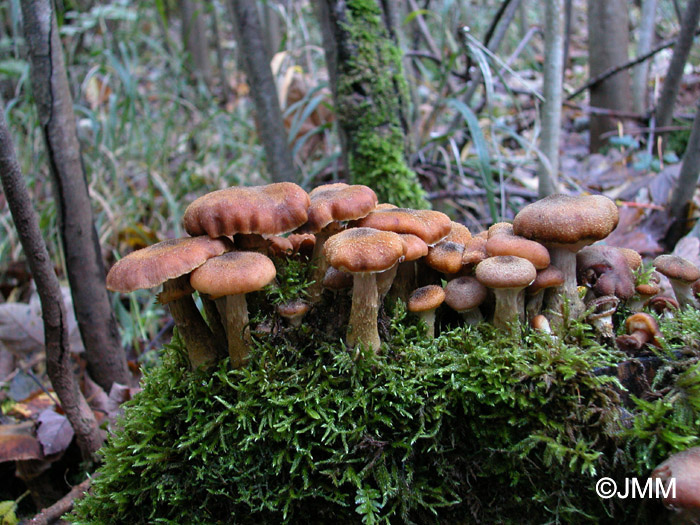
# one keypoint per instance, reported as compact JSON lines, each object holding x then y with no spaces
{"x":17,"y":442}
{"x":55,"y":432}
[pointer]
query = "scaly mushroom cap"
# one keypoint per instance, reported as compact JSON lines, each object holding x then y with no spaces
{"x":505,"y":271}
{"x":153,"y":265}
{"x":547,"y":278}
{"x":426,"y":298}
{"x":504,"y":244}
{"x":338,"y":202}
{"x":414,"y":247}
{"x":233,"y":273}
{"x":459,"y":233}
{"x":499,"y":228}
{"x":474,"y":251}
{"x":563,"y":220}
{"x":675,"y":267}
{"x":634,"y":260}
{"x":266,"y":210}
{"x":429,"y":225}
{"x":364,"y":250}
{"x":445,"y":257}
{"x":684,"y":467}
{"x":465,"y":293}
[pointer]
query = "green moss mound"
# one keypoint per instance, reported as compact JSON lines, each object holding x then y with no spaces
{"x":473,"y":427}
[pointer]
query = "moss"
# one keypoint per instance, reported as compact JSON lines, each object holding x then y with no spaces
{"x":372,"y":91}
{"x":475,"y":426}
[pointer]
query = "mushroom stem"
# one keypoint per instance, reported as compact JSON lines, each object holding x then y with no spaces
{"x":362,"y":327}
{"x":200,"y":342}
{"x":684,"y":293}
{"x":404,"y":282}
{"x":320,"y":265}
{"x":565,"y":260}
{"x":509,"y":306}
{"x":234,"y":310}
{"x":215,"y":322}
{"x":385,"y":280}
{"x":428,"y":317}
{"x":472,"y":317}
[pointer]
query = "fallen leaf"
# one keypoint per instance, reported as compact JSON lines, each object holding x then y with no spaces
{"x":18,"y":443}
{"x":32,"y":406}
{"x":55,"y":432}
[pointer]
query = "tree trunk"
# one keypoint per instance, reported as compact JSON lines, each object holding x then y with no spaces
{"x":194,"y":38}
{"x":370,"y":94}
{"x":86,"y":274}
{"x":551,"y":109}
{"x":645,"y":40}
{"x":56,"y":341}
{"x":669,"y":93}
{"x":256,"y":61}
{"x":608,"y":38}
{"x":686,"y":185}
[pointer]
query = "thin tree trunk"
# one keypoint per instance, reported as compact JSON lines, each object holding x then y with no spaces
{"x":86,"y":274}
{"x":223,"y":79}
{"x":608,"y":38}
{"x":194,"y":38}
{"x":686,"y":185}
{"x":645,"y":40}
{"x":58,"y":359}
{"x":256,"y":61}
{"x":551,"y":108}
{"x":370,"y":93}
{"x":669,"y":92}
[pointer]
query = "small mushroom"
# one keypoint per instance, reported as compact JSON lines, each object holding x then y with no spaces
{"x":605,"y":271}
{"x":227,"y":279}
{"x":423,"y":302}
{"x":642,"y":329}
{"x":684,"y":469}
{"x":364,"y":252}
{"x":601,"y":317}
{"x":540,"y":323}
{"x":644,"y":292}
{"x":663,"y":306}
{"x":682,"y":273}
{"x":464,"y":295}
{"x":294,"y":311}
{"x":550,"y":277}
{"x":507,"y":276}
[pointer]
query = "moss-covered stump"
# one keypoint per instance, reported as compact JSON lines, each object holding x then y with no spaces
{"x":471,"y":427}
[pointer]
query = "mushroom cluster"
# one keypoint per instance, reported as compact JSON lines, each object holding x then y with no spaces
{"x":510,"y":274}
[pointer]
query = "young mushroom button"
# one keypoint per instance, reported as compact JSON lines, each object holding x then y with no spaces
{"x":565,"y":224}
{"x":364,"y":252}
{"x":227,"y":279}
{"x":169,"y":263}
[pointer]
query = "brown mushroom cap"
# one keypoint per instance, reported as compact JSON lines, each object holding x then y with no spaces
{"x":364,"y":250}
{"x":465,"y":293}
{"x":505,"y":271}
{"x":675,"y":267}
{"x":504,"y":244}
{"x":605,"y":270}
{"x":547,"y":278}
{"x":293,"y":309}
{"x":445,"y":257}
{"x":634,"y":260}
{"x":429,"y":225}
{"x":474,"y":251}
{"x":500,"y":228}
{"x":426,"y":298}
{"x":564,"y":220}
{"x":266,"y":210}
{"x":153,"y":265}
{"x":338,"y":202}
{"x":414,"y":247}
{"x":459,"y":233}
{"x":684,"y":467}
{"x":233,"y":273}
{"x":335,"y":279}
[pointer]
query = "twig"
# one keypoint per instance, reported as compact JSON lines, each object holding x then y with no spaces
{"x":62,"y":506}
{"x":639,"y":131}
{"x":630,"y":63}
{"x":604,"y":111}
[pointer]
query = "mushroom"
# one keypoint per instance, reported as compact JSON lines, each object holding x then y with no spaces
{"x":565,"y":224}
{"x":663,"y":306}
{"x":644,"y":292}
{"x":404,"y":281}
{"x":605,"y":271}
{"x":502,"y":243}
{"x":465,"y":295}
{"x":540,"y":323}
{"x":267,"y":210}
{"x":423,"y":302}
{"x":682,"y":273}
{"x":642,"y":329}
{"x":431,"y":226}
{"x":601,"y":316}
{"x":169,"y":263}
{"x":550,"y":277}
{"x":507,"y":276}
{"x":294,"y":311}
{"x":474,"y":253}
{"x":446,"y":255}
{"x":337,"y":279}
{"x":329,"y":205}
{"x":227,"y":279}
{"x":364,"y":252}
{"x":684,"y":469}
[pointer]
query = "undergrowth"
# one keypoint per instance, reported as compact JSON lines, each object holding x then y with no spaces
{"x":474,"y":426}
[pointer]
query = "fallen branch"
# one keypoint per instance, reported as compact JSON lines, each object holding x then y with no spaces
{"x":62,"y":506}
{"x":630,"y":63}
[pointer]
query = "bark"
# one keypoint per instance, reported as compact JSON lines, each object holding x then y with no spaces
{"x":256,"y":62}
{"x":686,"y":185}
{"x":645,"y":40}
{"x":84,"y":266}
{"x":194,"y":38}
{"x":608,"y":39}
{"x":371,"y":95}
{"x":669,"y":92}
{"x":58,"y":359}
{"x":551,"y":109}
